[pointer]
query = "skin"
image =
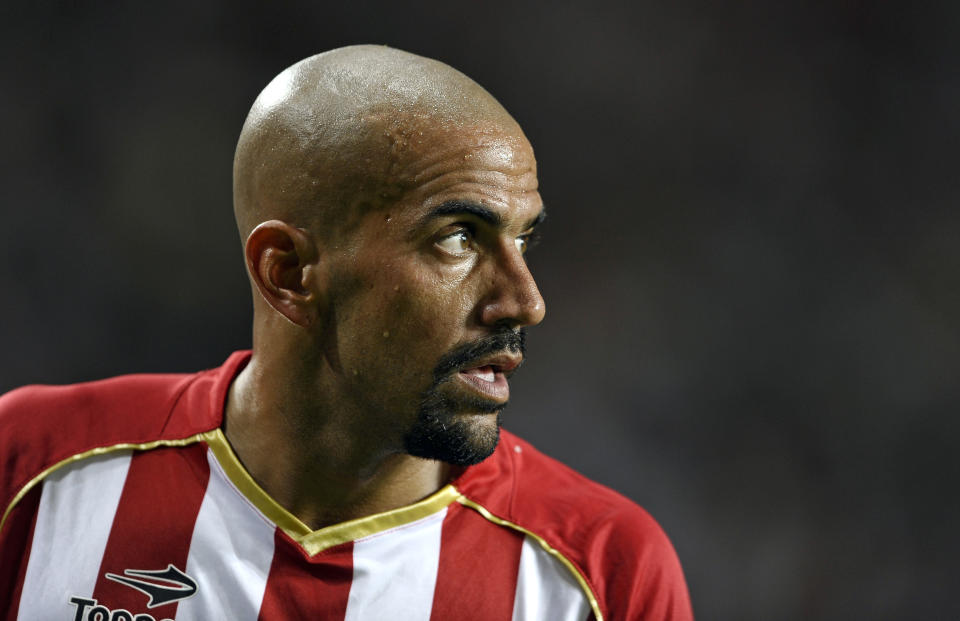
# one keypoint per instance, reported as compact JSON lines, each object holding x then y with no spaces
{"x":379,"y":237}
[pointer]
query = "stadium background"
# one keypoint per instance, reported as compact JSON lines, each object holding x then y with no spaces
{"x":751,"y":263}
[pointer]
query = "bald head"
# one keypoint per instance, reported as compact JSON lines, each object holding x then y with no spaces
{"x":328,"y":138}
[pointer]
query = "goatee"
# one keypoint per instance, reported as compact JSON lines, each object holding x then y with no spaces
{"x":438,"y":432}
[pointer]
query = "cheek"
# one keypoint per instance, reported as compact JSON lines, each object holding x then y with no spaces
{"x":400,"y":317}
{"x":426,"y":309}
{"x":426,"y":318}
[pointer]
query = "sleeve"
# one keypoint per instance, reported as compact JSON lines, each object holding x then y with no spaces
{"x":16,"y":541}
{"x":16,"y":518}
{"x":635,"y":571}
{"x":620,"y":551}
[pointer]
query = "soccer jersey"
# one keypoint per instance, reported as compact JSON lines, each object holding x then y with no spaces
{"x":122,"y":500}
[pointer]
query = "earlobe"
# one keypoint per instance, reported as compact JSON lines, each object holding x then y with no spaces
{"x":280,"y":259}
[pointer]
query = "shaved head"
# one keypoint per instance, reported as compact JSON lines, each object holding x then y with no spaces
{"x":328,"y":138}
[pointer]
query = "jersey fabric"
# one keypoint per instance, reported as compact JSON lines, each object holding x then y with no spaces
{"x":122,"y":500}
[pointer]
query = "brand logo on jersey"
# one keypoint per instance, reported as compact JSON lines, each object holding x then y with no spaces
{"x":90,"y":610}
{"x":163,"y":585}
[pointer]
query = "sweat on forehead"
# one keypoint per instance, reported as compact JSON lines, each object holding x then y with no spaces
{"x":326,"y":139}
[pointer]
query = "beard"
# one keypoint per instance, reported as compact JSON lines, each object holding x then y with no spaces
{"x":450,"y":428}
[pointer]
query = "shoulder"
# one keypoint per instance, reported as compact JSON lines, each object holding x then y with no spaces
{"x":618,"y":548}
{"x":41,"y":426}
{"x":128,"y":407}
{"x":105,"y":397}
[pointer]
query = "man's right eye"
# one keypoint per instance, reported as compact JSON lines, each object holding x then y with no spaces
{"x":456,"y":243}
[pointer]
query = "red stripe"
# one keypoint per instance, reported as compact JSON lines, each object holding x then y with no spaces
{"x":154,"y":522}
{"x":15,"y":545}
{"x":479,"y":563}
{"x":302,"y":587}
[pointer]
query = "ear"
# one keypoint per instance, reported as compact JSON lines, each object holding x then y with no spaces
{"x":281,"y":260}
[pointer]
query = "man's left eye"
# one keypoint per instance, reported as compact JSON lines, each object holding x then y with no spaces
{"x":457,"y":242}
{"x":526,"y":241}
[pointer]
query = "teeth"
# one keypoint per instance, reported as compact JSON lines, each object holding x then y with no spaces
{"x":485,"y":373}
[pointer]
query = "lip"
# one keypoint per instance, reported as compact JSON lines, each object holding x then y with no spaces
{"x":501,"y":365}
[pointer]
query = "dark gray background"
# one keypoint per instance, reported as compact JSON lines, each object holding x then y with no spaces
{"x":750,"y":264}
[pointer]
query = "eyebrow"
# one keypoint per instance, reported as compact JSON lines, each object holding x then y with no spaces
{"x":455,"y":207}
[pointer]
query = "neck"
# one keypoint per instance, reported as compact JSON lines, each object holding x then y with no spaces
{"x":316,"y":459}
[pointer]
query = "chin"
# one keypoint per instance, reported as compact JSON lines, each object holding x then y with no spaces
{"x":457,"y":439}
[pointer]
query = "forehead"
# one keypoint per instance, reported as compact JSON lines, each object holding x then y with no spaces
{"x":485,"y":164}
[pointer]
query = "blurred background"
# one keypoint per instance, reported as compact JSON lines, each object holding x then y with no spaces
{"x":751,"y":263}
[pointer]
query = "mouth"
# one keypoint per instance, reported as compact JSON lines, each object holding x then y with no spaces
{"x":489,"y":376}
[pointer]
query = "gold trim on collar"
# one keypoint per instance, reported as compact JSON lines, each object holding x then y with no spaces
{"x":594,"y":604}
{"x":315,"y":541}
{"x":100,"y":450}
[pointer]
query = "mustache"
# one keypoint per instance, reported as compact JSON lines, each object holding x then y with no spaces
{"x":507,"y":339}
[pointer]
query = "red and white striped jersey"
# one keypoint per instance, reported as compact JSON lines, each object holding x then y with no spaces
{"x":123,"y":501}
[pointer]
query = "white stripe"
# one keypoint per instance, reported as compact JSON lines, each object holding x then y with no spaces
{"x":395,"y":572}
{"x":230,"y":554}
{"x":546,"y":589}
{"x":77,"y":507}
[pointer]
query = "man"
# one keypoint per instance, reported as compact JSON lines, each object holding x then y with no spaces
{"x":352,"y":465}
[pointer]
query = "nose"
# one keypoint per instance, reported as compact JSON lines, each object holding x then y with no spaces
{"x":513,"y":298}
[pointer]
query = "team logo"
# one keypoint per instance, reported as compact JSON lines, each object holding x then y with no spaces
{"x":162,"y":586}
